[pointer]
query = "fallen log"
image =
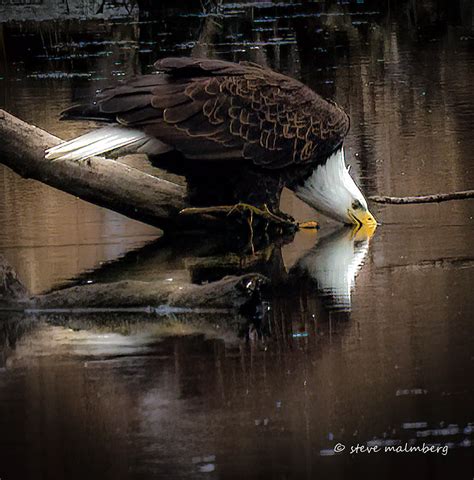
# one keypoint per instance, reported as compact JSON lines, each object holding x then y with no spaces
{"x":435,"y":198}
{"x":106,"y":183}
{"x":229,"y":294}
{"x":116,"y":186}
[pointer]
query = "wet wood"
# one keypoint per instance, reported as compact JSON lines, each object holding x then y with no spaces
{"x":228,"y":294}
{"x":436,"y":198}
{"x":11,"y":287}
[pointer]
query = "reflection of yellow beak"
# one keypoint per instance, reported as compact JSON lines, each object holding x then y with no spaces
{"x":364,"y":232}
{"x":361,"y":217}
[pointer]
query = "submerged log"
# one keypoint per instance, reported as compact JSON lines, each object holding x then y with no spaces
{"x":229,"y":294}
{"x":11,"y":288}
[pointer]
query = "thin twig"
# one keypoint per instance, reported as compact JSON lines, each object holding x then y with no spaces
{"x":436,"y":198}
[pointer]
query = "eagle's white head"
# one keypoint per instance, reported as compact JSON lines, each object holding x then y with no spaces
{"x":332,"y":191}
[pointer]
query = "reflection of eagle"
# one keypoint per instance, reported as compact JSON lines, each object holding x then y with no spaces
{"x":243,"y":129}
{"x":333,"y":263}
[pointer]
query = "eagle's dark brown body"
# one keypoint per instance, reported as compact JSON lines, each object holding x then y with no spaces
{"x":242,"y":117}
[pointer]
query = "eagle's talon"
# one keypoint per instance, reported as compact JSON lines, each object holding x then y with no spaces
{"x":254,"y":211}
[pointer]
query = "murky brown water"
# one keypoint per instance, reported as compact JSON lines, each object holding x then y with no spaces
{"x":116,"y":397}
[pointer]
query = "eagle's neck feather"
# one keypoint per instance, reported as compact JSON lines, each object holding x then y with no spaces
{"x":330,"y":189}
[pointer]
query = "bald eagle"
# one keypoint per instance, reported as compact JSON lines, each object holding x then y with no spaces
{"x":242,"y":130}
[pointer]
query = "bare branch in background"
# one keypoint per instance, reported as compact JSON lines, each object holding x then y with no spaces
{"x":440,"y":197}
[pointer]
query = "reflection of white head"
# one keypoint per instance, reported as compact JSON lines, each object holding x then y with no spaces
{"x":334,"y":262}
{"x":332,"y":191}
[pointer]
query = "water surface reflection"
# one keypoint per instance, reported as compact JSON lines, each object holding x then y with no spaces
{"x":130,"y":397}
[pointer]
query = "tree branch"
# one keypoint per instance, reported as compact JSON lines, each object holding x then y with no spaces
{"x":436,"y":198}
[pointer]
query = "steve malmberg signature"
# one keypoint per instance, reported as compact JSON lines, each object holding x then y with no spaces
{"x":402,"y":448}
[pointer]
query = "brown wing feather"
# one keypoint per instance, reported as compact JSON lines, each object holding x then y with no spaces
{"x":211,"y":109}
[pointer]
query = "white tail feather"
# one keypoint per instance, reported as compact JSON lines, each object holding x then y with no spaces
{"x":105,"y":140}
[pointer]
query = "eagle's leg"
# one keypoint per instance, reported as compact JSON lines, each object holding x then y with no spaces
{"x":254,"y":213}
{"x":261,"y":189}
{"x":264,"y":212}
{"x":251,"y":193}
{"x":213,"y":185}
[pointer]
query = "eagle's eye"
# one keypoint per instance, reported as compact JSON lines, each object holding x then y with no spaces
{"x":356,"y":204}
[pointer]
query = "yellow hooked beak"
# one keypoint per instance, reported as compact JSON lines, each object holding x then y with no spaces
{"x":361,"y":217}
